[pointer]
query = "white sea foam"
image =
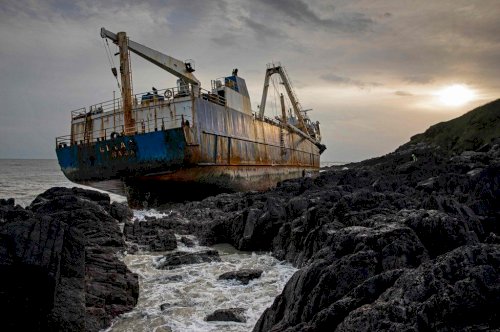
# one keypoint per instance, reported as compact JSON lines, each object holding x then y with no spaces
{"x":142,"y":214}
{"x":191,"y":292}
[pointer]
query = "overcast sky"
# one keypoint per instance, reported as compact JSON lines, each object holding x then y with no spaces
{"x":370,"y":70}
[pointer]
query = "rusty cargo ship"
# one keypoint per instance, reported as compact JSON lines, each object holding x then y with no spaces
{"x":186,"y":141}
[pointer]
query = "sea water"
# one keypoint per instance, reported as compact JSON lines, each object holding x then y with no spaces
{"x":181,"y":298}
{"x":24,"y":179}
{"x":178,"y":299}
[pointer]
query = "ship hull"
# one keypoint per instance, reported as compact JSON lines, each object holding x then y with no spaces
{"x":221,"y":150}
{"x":200,"y":182}
{"x":196,"y":183}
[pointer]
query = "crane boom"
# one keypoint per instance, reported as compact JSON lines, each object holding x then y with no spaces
{"x":272,"y":69}
{"x":174,"y":66}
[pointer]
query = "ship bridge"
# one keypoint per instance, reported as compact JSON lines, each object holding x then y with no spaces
{"x":234,"y":90}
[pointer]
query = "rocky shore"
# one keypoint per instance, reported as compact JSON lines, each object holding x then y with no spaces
{"x":59,"y":262}
{"x":406,"y":241}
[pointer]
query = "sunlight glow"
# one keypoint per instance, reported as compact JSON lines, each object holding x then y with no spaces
{"x":455,"y":95}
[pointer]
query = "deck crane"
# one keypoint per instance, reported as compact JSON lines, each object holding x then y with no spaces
{"x":311,"y":130}
{"x":182,"y":69}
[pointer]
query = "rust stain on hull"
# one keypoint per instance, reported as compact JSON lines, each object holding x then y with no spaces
{"x":199,"y":182}
{"x":186,"y":138}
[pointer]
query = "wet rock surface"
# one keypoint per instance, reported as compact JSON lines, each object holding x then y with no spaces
{"x":175,"y":259}
{"x":152,"y":235}
{"x":243,"y":276}
{"x":187,"y":242}
{"x":228,"y":315}
{"x":59,"y":262}
{"x":391,"y":243}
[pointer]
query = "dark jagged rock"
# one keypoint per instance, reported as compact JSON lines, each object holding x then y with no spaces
{"x":59,"y":192}
{"x":59,"y":265}
{"x":383,"y":244}
{"x":459,"y":290}
{"x":152,"y":234}
{"x":173,"y":260}
{"x":11,"y":212}
{"x":121,"y":212}
{"x":187,"y":242}
{"x":228,"y":315}
{"x":440,"y":232}
{"x":244,"y":275}
{"x":157,"y":234}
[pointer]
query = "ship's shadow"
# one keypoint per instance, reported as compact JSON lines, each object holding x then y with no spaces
{"x":157,"y":195}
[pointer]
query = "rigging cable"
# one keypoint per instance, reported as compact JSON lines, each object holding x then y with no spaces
{"x":276,"y":93}
{"x":111,"y":62}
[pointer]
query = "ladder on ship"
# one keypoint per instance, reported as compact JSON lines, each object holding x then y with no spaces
{"x":87,"y":129}
{"x":282,"y":140}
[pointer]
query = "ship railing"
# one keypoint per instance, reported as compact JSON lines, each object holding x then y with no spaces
{"x":212,"y":97}
{"x":140,"y":127}
{"x":151,"y":125}
{"x":160,"y":97}
{"x":151,"y":98}
{"x":139,"y":100}
{"x":79,"y":113}
{"x":269,"y":120}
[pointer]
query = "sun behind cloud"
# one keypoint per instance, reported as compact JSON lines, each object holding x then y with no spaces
{"x":456,"y":95}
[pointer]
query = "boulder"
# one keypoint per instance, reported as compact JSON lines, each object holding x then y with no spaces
{"x":151,"y":234}
{"x":187,"y":242}
{"x":121,"y":212}
{"x":175,"y":259}
{"x":227,"y":315}
{"x":244,"y":275}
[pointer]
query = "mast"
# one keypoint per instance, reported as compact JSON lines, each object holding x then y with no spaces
{"x":126,"y":79}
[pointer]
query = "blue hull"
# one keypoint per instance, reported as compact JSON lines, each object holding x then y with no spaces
{"x":124,"y":156}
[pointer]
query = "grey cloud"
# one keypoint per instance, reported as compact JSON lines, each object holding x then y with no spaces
{"x":226,"y":39}
{"x":403,"y":93}
{"x":340,"y":80}
{"x":49,"y":46}
{"x":419,"y":79}
{"x":262,"y":30}
{"x":299,"y":11}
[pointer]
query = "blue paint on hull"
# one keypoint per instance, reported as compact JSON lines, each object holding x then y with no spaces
{"x":123,"y":156}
